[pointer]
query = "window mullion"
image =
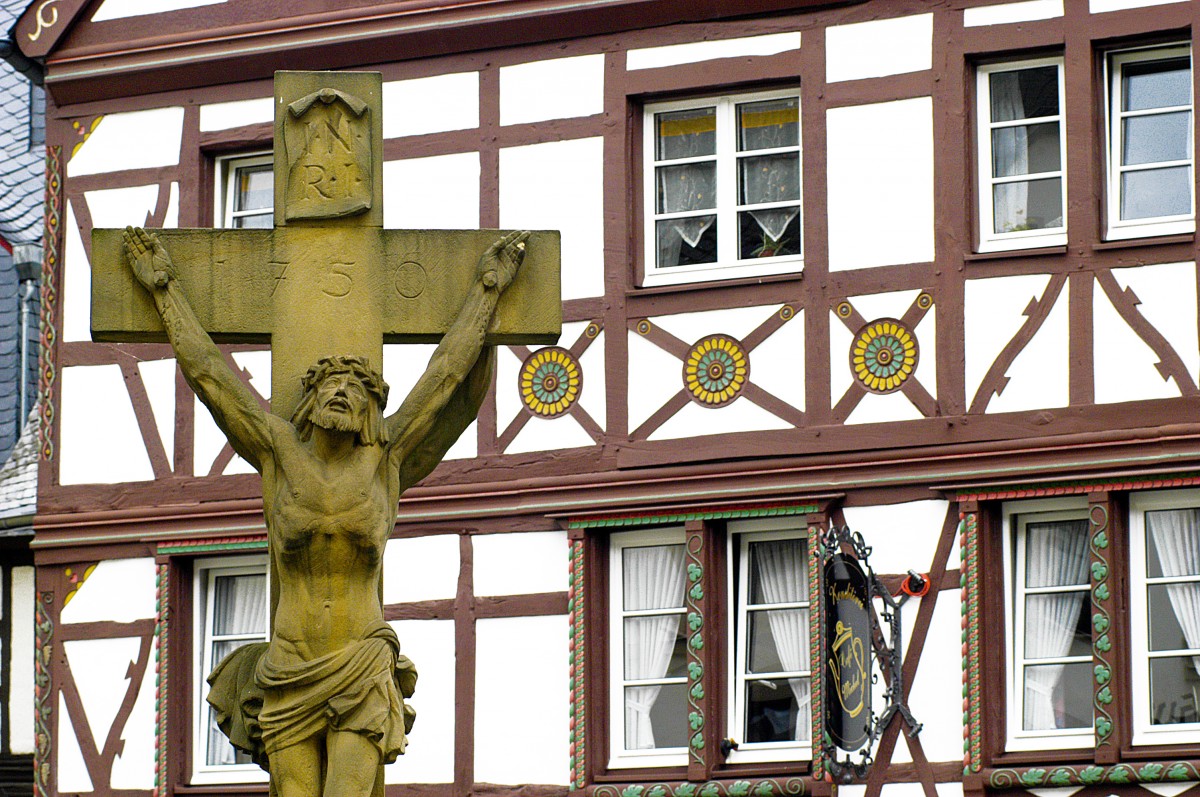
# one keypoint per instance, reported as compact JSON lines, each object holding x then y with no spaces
{"x":726,"y":182}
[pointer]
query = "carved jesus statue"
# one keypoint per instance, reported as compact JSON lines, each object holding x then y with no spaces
{"x":322,"y":703}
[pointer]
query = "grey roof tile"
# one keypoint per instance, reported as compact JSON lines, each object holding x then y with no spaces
{"x":22,"y":169}
{"x":18,"y":477}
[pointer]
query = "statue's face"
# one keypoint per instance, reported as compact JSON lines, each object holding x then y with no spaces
{"x":341,"y":402}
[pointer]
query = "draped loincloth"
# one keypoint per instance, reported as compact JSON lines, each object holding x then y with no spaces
{"x":263,"y":705}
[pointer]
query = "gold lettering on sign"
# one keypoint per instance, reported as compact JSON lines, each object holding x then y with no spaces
{"x":42,"y":21}
{"x":848,"y":665}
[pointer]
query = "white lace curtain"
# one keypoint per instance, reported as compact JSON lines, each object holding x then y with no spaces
{"x":653,"y":579}
{"x":682,"y":188}
{"x":1055,"y":555}
{"x":239,"y":607}
{"x":784,"y":579}
{"x":1010,"y":152}
{"x":1176,"y":535}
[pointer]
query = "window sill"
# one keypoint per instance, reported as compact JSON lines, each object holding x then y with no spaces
{"x":972,"y":257}
{"x":732,"y":282}
{"x":1129,"y":243}
{"x":222,"y":789}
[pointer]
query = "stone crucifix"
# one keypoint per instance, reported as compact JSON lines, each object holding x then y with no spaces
{"x":321,"y":705}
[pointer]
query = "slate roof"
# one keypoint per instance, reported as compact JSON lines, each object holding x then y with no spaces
{"x":21,"y":168}
{"x":18,"y":477}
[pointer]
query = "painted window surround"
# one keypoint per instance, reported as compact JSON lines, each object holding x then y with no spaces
{"x":729,"y":198}
{"x":230,"y":205}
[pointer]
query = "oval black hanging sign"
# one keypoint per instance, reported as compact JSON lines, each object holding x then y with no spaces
{"x":847,"y":653}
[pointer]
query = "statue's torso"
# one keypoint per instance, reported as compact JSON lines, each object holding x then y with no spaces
{"x":328,"y":525}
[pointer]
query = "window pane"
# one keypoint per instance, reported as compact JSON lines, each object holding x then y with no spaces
{"x":1174,"y":690}
{"x":778,"y":710}
{"x":1026,"y":149}
{"x":1168,"y":604}
{"x":769,"y":233}
{"x":655,"y":716}
{"x":258,"y":221}
{"x":778,"y":571}
{"x":1027,"y":205}
{"x":690,"y":186}
{"x":1058,"y":696}
{"x":778,"y":641}
{"x":686,"y":134}
{"x":1156,"y":84}
{"x":655,"y":647}
{"x":255,"y":188}
{"x":653,"y":577}
{"x":1057,"y":625}
{"x":1024,"y":93}
{"x":1056,"y":553}
{"x":220,"y":751}
{"x":1173,"y":540}
{"x":686,"y":242}
{"x":1156,"y":192}
{"x":1155,"y":138}
{"x":768,"y":124}
{"x":769,"y":178}
{"x":240,"y":604}
{"x":222,"y":649}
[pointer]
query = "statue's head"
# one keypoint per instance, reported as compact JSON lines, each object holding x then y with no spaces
{"x":343,"y":394}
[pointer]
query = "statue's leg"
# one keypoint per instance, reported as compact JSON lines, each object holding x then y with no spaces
{"x":353,"y":762}
{"x":296,"y":769}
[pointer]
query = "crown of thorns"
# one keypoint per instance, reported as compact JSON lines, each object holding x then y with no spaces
{"x":371,"y":379}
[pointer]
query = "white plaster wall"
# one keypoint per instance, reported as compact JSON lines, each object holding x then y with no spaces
{"x":118,"y":590}
{"x":431,"y":104}
{"x":1161,"y":789}
{"x":420,"y":568}
{"x":926,"y":333}
{"x":892,"y":304}
{"x":159,"y":378}
{"x":840,"y":376}
{"x":1039,"y":376}
{"x":520,"y":563}
{"x":1004,"y":14}
{"x":224,"y":115}
{"x":694,"y":52}
{"x":654,"y":377}
{"x":100,"y":439}
{"x":1124,"y":363}
{"x":994,"y":312}
{"x":1167,"y":299}
{"x":883,"y":408}
{"x":936,"y":696}
{"x":1100,"y":6}
{"x":593,"y":399}
{"x":740,"y":415}
{"x":207,"y":442}
{"x":779,"y":362}
{"x":100,"y":669}
{"x":559,"y":186}
{"x":430,"y":754}
{"x":133,"y":140}
{"x":878,"y":48}
{"x":554,"y":89}
{"x":901,"y":790}
{"x":880,"y":162}
{"x":952,"y":789}
{"x":542,"y":434}
{"x":133,"y":768}
{"x":440,"y":192}
{"x":522,"y":696}
{"x":77,"y":283}
{"x":737,"y":322}
{"x":20,"y":708}
{"x":71,"y":775}
{"x":118,"y":207}
{"x":903,"y":537}
{"x":122,"y":9}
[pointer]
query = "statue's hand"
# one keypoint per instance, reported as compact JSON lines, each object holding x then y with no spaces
{"x":151,"y":264}
{"x":499,"y":264}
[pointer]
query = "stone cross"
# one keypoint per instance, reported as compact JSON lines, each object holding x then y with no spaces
{"x":328,"y":279}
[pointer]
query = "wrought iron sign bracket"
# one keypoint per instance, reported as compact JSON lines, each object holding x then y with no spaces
{"x":889,"y":656}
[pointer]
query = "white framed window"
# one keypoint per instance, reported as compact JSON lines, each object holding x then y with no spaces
{"x":1150,"y":142}
{"x":1164,"y":583}
{"x":1048,"y":623}
{"x":1022,"y":155}
{"x":246,"y":191}
{"x":230,"y":602}
{"x":723,"y":188}
{"x":648,"y":649}
{"x":771,"y":672}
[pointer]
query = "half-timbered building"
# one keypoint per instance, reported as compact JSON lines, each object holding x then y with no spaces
{"x":927,"y":270}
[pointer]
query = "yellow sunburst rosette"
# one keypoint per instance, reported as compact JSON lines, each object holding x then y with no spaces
{"x":715,"y":370}
{"x":550,"y":382}
{"x":884,"y":355}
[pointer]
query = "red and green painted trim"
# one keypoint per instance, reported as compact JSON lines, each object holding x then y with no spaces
{"x":767,"y":787}
{"x":723,"y":513}
{"x":1093,"y":775}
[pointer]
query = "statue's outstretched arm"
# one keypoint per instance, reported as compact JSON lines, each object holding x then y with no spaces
{"x":233,"y":407}
{"x":448,"y":393}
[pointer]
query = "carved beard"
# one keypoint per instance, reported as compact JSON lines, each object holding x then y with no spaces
{"x":335,"y":421}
